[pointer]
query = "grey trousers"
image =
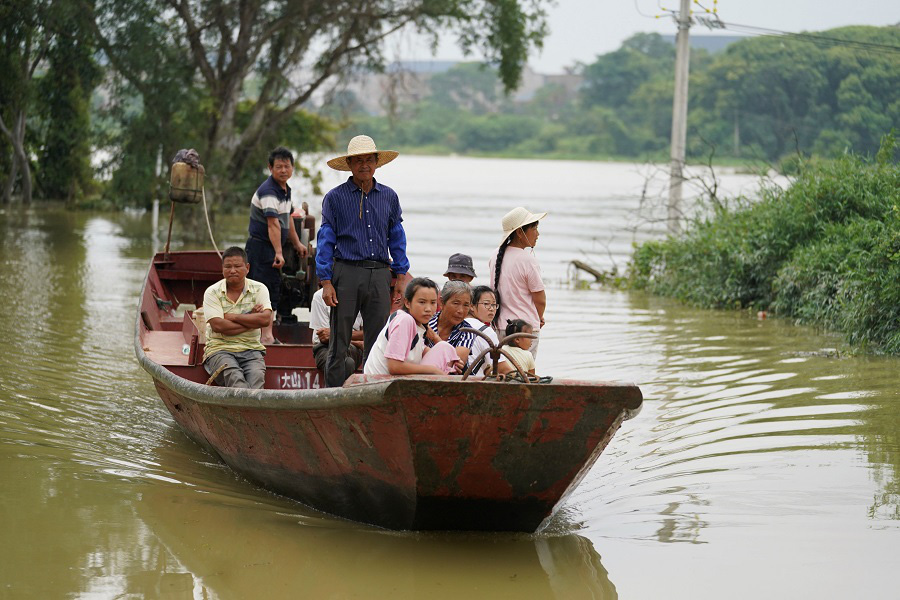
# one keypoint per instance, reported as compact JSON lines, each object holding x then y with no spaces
{"x":353,"y":360}
{"x":359,"y":290}
{"x":245,"y":369}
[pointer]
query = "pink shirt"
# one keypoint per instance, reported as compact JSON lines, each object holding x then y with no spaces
{"x":520,"y":276}
{"x":394,"y":341}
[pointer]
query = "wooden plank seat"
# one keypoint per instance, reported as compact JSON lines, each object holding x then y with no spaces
{"x":165,"y":348}
{"x":183,"y":274}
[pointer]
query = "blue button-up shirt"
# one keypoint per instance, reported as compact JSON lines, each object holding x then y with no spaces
{"x":357,"y":226}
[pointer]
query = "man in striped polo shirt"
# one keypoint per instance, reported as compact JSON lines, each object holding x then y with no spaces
{"x":360,"y":243}
{"x":270,"y":227}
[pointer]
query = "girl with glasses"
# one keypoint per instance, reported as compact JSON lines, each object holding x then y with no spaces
{"x":481,"y":316}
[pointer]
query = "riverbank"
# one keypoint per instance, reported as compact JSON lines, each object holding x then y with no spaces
{"x":824,"y":252}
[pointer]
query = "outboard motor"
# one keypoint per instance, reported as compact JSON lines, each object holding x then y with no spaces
{"x":298,"y":276}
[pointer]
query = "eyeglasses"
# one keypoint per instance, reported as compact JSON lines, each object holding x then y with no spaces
{"x":489,"y":305}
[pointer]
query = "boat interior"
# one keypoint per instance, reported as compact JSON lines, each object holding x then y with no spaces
{"x":171,"y":338}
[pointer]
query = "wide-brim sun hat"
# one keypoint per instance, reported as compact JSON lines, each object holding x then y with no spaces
{"x":519,"y":217}
{"x":362,"y":144}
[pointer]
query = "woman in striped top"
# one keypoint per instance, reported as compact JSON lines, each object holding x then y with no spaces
{"x":447,"y":325}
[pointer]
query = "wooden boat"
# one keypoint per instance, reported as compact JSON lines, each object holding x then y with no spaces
{"x":416,"y":452}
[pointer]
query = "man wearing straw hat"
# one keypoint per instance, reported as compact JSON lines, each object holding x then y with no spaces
{"x":360,"y":243}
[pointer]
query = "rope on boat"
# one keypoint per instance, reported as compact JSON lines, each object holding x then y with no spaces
{"x":216,"y":374}
{"x":208,"y":226}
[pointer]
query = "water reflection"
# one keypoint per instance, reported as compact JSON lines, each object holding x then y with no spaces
{"x":680,"y":523}
{"x":236,"y":545}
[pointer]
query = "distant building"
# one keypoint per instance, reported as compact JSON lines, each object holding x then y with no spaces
{"x":400,"y":83}
{"x":404,"y":83}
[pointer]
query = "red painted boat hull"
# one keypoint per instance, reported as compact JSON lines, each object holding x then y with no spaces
{"x":418,"y":452}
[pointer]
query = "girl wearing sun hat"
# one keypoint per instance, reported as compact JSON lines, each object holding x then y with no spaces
{"x":516,"y":275}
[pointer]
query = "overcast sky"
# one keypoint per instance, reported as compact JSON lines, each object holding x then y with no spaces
{"x":582,"y":29}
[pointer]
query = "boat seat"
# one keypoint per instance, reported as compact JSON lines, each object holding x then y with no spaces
{"x":165,"y":348}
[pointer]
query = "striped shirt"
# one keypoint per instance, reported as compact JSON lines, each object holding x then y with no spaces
{"x":270,"y":201}
{"x":357,"y":226}
{"x":457,"y":338}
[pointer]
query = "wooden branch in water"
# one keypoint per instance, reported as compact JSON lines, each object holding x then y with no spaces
{"x":583,"y":266}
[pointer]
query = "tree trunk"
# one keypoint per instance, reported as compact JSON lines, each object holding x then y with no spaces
{"x":20,"y":157}
{"x":11,"y":182}
{"x":19,"y":147}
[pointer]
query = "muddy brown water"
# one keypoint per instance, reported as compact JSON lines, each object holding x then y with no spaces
{"x":765,"y":461}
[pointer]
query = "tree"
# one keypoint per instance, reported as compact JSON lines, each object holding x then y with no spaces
{"x":64,"y":158}
{"x":472,"y":87}
{"x":205,"y":51}
{"x":613,"y":77}
{"x":24,"y":42}
{"x":786,"y":95}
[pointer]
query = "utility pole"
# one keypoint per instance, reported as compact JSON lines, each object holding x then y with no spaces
{"x":679,"y":115}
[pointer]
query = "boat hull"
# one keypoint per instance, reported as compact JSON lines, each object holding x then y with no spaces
{"x":413,"y":454}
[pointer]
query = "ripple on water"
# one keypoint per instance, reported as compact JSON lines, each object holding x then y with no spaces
{"x":743,"y":421}
{"x":722,"y":413}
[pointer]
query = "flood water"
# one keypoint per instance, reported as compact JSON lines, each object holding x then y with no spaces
{"x":763,"y":464}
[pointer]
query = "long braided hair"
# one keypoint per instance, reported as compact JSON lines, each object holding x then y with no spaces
{"x":498,"y":264}
{"x":497,"y":267}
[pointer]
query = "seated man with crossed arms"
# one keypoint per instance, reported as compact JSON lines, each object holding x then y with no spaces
{"x":236,"y":308}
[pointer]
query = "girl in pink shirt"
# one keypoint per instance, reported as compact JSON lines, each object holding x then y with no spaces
{"x":400,"y":348}
{"x":516,"y":275}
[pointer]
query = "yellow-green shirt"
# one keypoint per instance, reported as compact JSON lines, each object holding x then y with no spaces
{"x":217,"y":304}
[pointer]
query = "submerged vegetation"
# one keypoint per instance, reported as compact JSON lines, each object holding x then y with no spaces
{"x":825,"y":252}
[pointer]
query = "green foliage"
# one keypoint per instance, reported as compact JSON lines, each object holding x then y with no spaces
{"x":765,"y":98}
{"x":825,"y":251}
{"x":472,"y":87}
{"x":613,"y":78}
{"x":494,"y":133}
{"x":63,"y":102}
{"x":304,"y":132}
{"x":504,"y":30}
{"x":195,"y":70}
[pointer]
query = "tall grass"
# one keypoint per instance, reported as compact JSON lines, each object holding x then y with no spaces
{"x":825,"y":251}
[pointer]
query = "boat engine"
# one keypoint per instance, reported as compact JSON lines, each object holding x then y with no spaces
{"x":298,"y":275}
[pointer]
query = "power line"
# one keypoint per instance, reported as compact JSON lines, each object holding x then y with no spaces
{"x":807,"y":37}
{"x":711,"y":20}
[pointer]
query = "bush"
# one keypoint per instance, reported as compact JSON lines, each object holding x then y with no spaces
{"x":825,"y":251}
{"x":850,"y":281}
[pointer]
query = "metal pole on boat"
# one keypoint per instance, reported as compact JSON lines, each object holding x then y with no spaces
{"x":679,"y":115}
{"x":169,"y":237}
{"x":154,"y":223}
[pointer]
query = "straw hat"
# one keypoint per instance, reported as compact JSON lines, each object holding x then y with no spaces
{"x":519,"y":217}
{"x":362,"y":144}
